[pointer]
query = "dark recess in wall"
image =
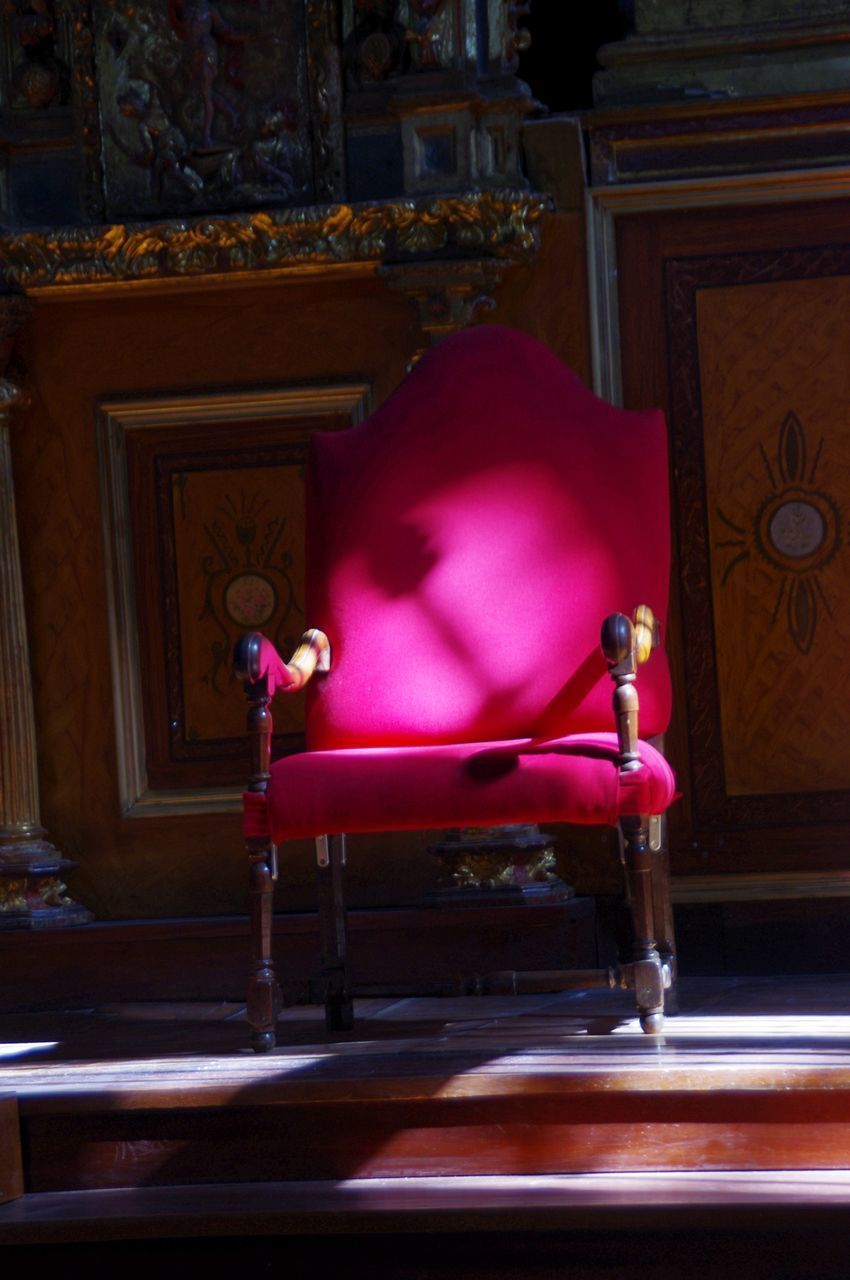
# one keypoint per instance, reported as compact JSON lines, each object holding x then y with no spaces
{"x":561,"y":62}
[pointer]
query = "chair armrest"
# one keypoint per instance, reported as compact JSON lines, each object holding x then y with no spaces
{"x":260,"y":666}
{"x":255,"y":659}
{"x":647,"y":633}
{"x":626,"y":646}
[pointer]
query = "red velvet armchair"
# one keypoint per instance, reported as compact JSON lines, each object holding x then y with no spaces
{"x":464,"y":545}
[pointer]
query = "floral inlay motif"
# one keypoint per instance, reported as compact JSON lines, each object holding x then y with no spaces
{"x":248,"y":577}
{"x":797,"y":529}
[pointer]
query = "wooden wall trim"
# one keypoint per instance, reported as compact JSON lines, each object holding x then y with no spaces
{"x":300,"y":405}
{"x":761,"y":886}
{"x":207,"y":958}
{"x":604,"y":206}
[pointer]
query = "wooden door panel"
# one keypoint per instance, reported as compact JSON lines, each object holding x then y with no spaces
{"x":750,"y":360}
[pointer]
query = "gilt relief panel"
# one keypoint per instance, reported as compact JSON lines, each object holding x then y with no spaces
{"x":212,"y":104}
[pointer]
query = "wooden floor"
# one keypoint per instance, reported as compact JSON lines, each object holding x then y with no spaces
{"x":437,"y":1115}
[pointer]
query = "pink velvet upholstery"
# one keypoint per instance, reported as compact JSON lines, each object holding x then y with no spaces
{"x":574,"y":779}
{"x":464,"y":545}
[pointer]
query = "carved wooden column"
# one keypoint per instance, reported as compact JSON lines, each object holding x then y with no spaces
{"x":447,"y":295}
{"x":31,"y":893}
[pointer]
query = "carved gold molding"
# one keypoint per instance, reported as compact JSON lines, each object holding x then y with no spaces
{"x":470,"y":870}
{"x":498,"y":223}
{"x":447,"y":295}
{"x":19,"y":894}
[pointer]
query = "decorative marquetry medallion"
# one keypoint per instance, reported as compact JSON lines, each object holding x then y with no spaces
{"x":236,"y":538}
{"x":798,"y":529}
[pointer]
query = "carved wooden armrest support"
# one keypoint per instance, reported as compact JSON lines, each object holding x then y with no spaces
{"x":647,"y":633}
{"x":257,"y":662}
{"x":255,"y":658}
{"x":313,"y":654}
{"x":626,"y":645}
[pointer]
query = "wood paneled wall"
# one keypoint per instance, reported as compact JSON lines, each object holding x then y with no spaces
{"x":118,"y":342}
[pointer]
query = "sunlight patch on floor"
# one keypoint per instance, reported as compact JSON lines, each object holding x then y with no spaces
{"x":750,"y":1026}
{"x":24,"y":1047}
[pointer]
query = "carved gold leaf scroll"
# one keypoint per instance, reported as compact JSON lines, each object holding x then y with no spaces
{"x":502,"y":223}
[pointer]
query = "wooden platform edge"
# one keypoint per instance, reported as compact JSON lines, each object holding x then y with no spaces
{"x":11,"y":1164}
{"x":689,"y":1201}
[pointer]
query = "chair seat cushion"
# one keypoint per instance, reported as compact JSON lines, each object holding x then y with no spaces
{"x":573,"y":779}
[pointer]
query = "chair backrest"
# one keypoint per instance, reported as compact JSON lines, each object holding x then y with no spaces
{"x":465,"y":543}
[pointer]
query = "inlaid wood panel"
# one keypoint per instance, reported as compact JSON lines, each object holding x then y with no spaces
{"x":759,"y":387}
{"x":82,"y":350}
{"x":204,"y":525}
{"x":239,"y":562}
{"x":733,"y":319}
{"x":774,"y":386}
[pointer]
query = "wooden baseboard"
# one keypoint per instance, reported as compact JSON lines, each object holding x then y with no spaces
{"x":761,"y":886}
{"x":207,"y":959}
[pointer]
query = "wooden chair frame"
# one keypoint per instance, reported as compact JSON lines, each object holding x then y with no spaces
{"x":650,"y":974}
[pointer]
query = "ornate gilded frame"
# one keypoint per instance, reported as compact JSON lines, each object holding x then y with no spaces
{"x":193,"y":253}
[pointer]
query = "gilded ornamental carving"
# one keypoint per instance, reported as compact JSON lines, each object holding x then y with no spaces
{"x":499,"y":223}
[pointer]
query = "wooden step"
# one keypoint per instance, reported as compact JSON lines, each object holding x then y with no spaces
{"x":528,"y":1086}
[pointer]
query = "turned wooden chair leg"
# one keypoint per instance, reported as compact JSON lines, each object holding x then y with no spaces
{"x":263,"y":1004}
{"x":334,"y":985}
{"x":263,"y":1001}
{"x":647,"y":965}
{"x":665,"y":936}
